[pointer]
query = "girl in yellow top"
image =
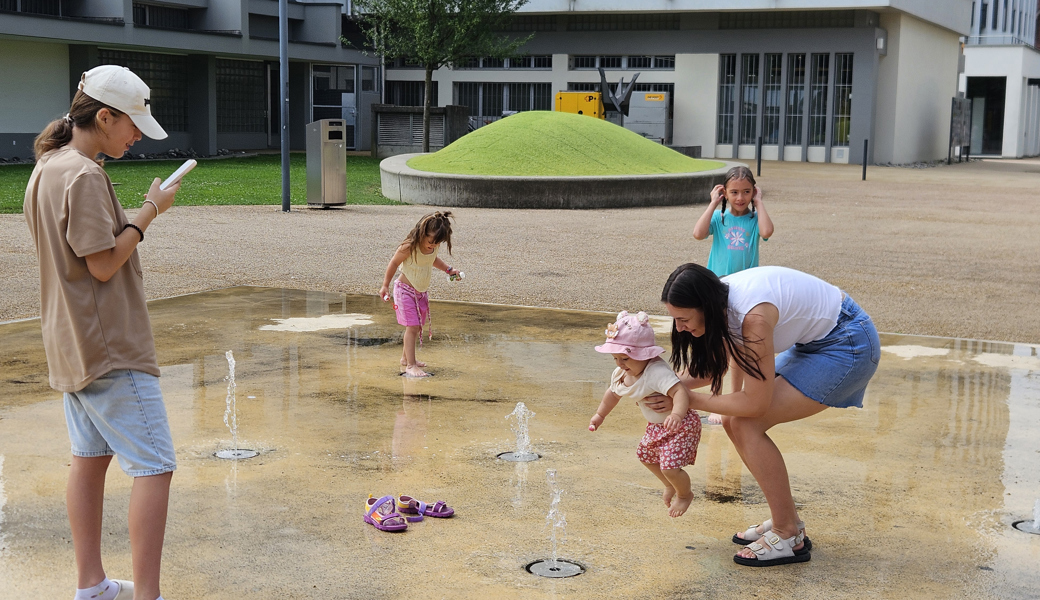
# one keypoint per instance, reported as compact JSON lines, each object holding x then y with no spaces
{"x":416,"y":256}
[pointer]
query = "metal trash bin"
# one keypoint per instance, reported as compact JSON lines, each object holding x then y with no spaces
{"x":326,"y":163}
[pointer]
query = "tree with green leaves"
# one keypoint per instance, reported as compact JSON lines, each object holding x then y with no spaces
{"x":437,"y":33}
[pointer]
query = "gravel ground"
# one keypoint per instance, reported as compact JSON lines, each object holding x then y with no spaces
{"x":945,"y":251}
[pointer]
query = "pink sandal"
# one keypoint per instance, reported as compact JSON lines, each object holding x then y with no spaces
{"x":379,"y":514}
{"x":407,"y":504}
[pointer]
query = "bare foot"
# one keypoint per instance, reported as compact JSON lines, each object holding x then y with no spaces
{"x":679,"y":506}
{"x":715,"y":419}
{"x":415,"y":371}
{"x":418,"y":363}
{"x":667,"y":495}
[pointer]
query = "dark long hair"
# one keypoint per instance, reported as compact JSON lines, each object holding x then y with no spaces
{"x":58,"y":133}
{"x":436,"y":224}
{"x":693,"y":286}
{"x":737,"y":174}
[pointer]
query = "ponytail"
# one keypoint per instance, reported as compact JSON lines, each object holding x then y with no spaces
{"x":437,"y":225}
{"x":58,"y":133}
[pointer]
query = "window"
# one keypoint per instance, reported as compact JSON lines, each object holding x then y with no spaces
{"x":409,"y":93}
{"x":664,"y":62}
{"x":468,"y":94}
{"x":630,"y":22}
{"x":749,"y":98}
{"x":610,"y":62}
{"x":529,"y":23}
{"x":542,"y":62}
{"x":520,"y":62}
{"x":492,"y":99}
{"x":329,"y":83}
{"x":792,"y":19}
{"x":368,"y":79}
{"x":640,"y":62}
{"x":530,"y":96}
{"x":982,"y":18}
{"x":842,"y":98}
{"x":51,"y":8}
{"x":167,"y":76}
{"x":241,"y":96}
{"x":727,"y":85}
{"x":795,"y":99}
{"x":818,"y":99}
{"x":584,"y":62}
{"x":492,"y":63}
{"x":160,"y":16}
{"x":771,"y":98}
{"x":996,"y":16}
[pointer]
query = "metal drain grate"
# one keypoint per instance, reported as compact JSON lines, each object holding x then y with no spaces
{"x":558,"y":568}
{"x":519,"y":456}
{"x":236,"y":454}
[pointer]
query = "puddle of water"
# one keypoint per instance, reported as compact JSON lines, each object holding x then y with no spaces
{"x":937,"y":465}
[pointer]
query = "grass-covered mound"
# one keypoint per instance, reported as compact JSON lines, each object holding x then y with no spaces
{"x":555,"y":143}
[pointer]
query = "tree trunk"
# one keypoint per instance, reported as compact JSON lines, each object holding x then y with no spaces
{"x":426,"y":109}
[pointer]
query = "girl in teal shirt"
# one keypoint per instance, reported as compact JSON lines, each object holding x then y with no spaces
{"x":734,"y":236}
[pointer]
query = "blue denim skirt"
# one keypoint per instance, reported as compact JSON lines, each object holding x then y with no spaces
{"x":835,"y":369}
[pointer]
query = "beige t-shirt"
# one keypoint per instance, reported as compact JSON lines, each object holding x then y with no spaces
{"x":656,"y":378}
{"x":90,"y":327}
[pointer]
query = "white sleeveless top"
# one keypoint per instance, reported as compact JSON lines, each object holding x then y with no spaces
{"x":417,"y":268}
{"x":808,"y":306}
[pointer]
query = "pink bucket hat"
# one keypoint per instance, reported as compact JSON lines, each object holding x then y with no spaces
{"x":631,"y":335}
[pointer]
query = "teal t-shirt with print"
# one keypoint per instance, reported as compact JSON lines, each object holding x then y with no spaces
{"x":734,"y":244}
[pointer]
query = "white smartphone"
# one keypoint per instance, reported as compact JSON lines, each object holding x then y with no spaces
{"x":178,"y":174}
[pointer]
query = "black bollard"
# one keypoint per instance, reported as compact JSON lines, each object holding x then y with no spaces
{"x":865,"y":142}
{"x":759,"y":154}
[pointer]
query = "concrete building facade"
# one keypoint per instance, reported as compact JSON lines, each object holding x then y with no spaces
{"x":813,"y":78}
{"x":1002,"y":78}
{"x":212,"y":66}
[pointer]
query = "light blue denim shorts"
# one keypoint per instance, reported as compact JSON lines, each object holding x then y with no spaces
{"x":835,"y":369}
{"x":122,"y":413}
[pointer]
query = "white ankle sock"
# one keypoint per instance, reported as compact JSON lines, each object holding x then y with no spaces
{"x":106,"y":590}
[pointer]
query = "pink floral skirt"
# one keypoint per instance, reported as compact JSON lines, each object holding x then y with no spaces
{"x":671,"y":450}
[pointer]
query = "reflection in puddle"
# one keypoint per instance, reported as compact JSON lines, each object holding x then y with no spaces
{"x":319,"y":323}
{"x":909,"y":352}
{"x":937,"y":465}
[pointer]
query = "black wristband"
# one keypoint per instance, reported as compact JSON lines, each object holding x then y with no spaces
{"x":139,"y":232}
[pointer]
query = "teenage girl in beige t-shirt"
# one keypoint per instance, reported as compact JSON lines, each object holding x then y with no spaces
{"x":96,"y":331}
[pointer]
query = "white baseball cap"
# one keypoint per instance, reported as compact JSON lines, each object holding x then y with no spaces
{"x":124,"y":91}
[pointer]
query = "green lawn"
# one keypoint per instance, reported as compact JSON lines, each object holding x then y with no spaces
{"x":546,"y":143}
{"x":253,"y":180}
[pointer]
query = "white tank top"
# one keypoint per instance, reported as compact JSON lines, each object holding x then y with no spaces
{"x":808,"y":306}
{"x":417,"y":268}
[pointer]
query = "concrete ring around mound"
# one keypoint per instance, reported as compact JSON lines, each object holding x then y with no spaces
{"x":403,"y":183}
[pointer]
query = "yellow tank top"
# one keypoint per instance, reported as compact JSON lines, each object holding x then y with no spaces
{"x":417,"y":267}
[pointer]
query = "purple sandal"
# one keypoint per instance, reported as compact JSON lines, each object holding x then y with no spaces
{"x":379,"y":515}
{"x":407,"y":504}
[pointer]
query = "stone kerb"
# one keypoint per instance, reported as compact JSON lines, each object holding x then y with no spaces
{"x":403,"y":183}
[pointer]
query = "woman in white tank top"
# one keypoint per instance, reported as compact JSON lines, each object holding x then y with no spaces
{"x":803,"y":346}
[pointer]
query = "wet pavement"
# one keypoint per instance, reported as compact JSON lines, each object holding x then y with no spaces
{"x":913,"y":496}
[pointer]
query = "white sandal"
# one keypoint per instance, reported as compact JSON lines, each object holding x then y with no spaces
{"x":771,"y":550}
{"x":752,"y":534}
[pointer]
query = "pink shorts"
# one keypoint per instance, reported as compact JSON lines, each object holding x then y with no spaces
{"x":412,"y":307}
{"x":671,"y":450}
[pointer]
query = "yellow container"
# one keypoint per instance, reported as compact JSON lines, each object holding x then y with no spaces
{"x":581,"y":103}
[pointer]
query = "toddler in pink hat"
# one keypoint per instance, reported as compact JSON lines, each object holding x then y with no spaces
{"x":670,"y":441}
